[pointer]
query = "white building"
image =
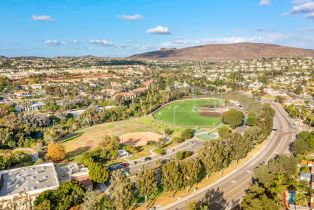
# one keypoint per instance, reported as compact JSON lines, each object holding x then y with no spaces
{"x":30,"y":180}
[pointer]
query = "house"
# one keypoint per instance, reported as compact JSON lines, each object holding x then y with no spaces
{"x":36,"y":106}
{"x":30,"y":180}
{"x":37,"y":86}
{"x":123,"y":153}
{"x":23,"y":93}
{"x":76,"y":113}
{"x":305,"y":177}
{"x":74,"y":171}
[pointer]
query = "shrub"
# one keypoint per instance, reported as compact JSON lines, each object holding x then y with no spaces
{"x":130,"y":149}
{"x":187,"y":134}
{"x":160,"y":151}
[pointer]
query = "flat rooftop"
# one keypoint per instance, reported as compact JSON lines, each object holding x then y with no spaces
{"x":27,"y":179}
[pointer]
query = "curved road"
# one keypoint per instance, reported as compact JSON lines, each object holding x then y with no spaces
{"x":226,"y":192}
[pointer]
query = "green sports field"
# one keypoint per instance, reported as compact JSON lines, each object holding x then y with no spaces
{"x":181,"y":113}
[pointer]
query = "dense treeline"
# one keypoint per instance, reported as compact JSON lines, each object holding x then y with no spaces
{"x":14,"y":159}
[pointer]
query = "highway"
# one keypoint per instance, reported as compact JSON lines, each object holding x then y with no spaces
{"x":226,"y":192}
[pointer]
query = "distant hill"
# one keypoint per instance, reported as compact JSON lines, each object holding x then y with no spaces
{"x":227,"y":52}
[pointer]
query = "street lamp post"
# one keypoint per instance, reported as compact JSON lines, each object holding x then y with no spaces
{"x":174,"y":114}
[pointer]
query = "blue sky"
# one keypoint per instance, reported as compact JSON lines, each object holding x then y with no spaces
{"x":124,"y":27}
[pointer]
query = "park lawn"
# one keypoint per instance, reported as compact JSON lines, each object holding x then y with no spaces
{"x":248,"y":103}
{"x":89,"y":138}
{"x":181,"y":113}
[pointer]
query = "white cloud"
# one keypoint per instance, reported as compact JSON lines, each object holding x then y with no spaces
{"x":55,"y":43}
{"x":131,"y":17}
{"x":101,"y":42}
{"x":181,"y":43}
{"x":75,"y":41}
{"x":305,"y":7}
{"x":161,"y":30}
{"x":264,"y":2}
{"x":41,"y":18}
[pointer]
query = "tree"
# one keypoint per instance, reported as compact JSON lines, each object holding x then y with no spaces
{"x":146,"y":182}
{"x":264,"y":175}
{"x":283,"y":165}
{"x":224,"y":131}
{"x":90,"y":201}
{"x":240,"y":146}
{"x":301,"y":199}
{"x":111,"y":144}
{"x":298,"y":90}
{"x":187,"y":134}
{"x":122,"y":192}
{"x":251,"y":120}
{"x":55,"y":152}
{"x":98,"y":172}
{"x":6,"y":136}
{"x":168,"y":131}
{"x":257,"y":199}
{"x":191,"y":171}
{"x":300,"y":146}
{"x":279,"y":99}
{"x":67,"y":195}
{"x":171,"y":176}
{"x":233,"y":117}
{"x":215,"y":155}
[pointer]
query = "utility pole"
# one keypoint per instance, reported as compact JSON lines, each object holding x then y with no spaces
{"x":174,"y":114}
{"x":145,"y":202}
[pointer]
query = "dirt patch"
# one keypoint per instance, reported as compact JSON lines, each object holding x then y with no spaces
{"x":139,"y":138}
{"x":210,"y":114}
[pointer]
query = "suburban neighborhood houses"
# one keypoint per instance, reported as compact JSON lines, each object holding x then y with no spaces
{"x":109,"y":119}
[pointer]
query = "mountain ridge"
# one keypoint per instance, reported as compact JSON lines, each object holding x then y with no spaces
{"x":226,"y":52}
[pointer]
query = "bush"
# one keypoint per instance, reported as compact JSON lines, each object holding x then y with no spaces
{"x":160,"y":151}
{"x":130,"y":149}
{"x":187,"y":134}
{"x":168,"y":131}
{"x":179,"y":155}
{"x":178,"y":139}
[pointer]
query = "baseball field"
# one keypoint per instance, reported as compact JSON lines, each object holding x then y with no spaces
{"x":192,"y":113}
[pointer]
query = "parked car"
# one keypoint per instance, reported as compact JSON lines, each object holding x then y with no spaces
{"x":164,"y":161}
{"x":146,"y":159}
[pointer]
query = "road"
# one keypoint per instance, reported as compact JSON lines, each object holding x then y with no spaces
{"x":227,"y":191}
{"x":193,"y":145}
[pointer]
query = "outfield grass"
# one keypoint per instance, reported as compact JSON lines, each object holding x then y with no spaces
{"x":181,"y":113}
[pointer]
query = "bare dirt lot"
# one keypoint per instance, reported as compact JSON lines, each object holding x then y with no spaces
{"x":139,"y":138}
